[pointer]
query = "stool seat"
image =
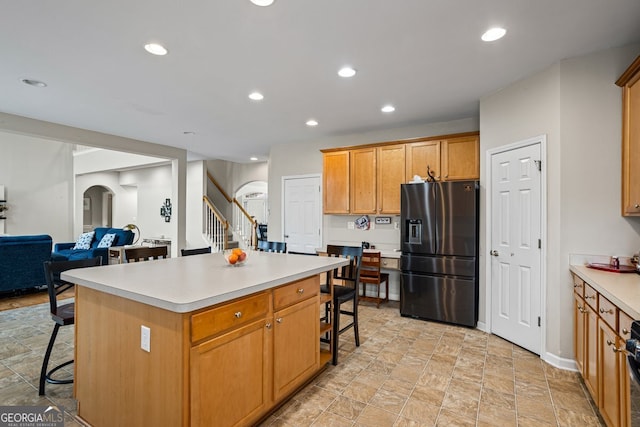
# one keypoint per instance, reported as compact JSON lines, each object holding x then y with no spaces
{"x":64,"y":314}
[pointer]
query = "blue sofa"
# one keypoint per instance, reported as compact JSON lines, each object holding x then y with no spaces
{"x":65,"y":251}
{"x":21,"y":261}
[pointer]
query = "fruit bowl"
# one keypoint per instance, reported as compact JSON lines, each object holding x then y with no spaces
{"x":235,"y":257}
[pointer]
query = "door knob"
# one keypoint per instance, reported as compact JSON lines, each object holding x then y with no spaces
{"x":494,"y":253}
{"x":286,"y":236}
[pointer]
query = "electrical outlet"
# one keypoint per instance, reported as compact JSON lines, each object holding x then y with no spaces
{"x":351,"y":225}
{"x":145,"y":338}
{"x":372,"y":226}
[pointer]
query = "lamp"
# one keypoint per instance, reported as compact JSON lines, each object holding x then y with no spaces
{"x":136,"y":232}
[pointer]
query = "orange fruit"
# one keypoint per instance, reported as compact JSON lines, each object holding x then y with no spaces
{"x":236,"y":251}
{"x":233,"y":258}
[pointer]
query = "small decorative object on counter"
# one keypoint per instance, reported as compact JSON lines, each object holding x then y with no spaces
{"x":235,"y":257}
{"x":615,"y":262}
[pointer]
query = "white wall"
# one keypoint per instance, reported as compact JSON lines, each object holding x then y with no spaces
{"x":578,"y":107}
{"x":38,"y":179}
{"x":196,"y":185}
{"x":305,"y":158}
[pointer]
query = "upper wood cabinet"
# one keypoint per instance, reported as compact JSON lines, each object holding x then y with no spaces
{"x":423,"y":157}
{"x":367,"y":179}
{"x":363,"y":181}
{"x":391,"y":173}
{"x":336,"y":182}
{"x":630,"y":139}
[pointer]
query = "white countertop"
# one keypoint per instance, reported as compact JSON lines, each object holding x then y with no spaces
{"x":622,"y":289}
{"x":190,"y":283}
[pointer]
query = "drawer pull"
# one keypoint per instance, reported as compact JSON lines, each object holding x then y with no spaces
{"x":577,"y":285}
{"x":238,"y":314}
{"x":581,"y":310}
{"x":268,"y":325}
{"x":590,"y":297}
{"x":625,"y":331}
{"x":279,"y":320}
{"x":610,"y":311}
{"x":300,"y":291}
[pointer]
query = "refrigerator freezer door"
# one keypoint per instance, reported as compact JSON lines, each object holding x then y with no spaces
{"x":456,"y":218}
{"x":418,"y":218}
{"x":440,"y":298}
{"x":442,"y":265}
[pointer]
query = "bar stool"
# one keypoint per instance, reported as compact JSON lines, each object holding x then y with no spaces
{"x":348,"y":277}
{"x":62,"y":315}
{"x":264,"y":246}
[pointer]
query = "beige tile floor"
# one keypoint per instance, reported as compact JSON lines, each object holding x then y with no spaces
{"x":406,"y":372}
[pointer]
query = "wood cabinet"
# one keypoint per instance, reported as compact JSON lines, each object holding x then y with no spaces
{"x":423,"y":157}
{"x":336,"y":182}
{"x":226,"y":365}
{"x":391,"y":173}
{"x":630,"y":139}
{"x":366,"y":180}
{"x":600,"y":333}
{"x":363,"y":181}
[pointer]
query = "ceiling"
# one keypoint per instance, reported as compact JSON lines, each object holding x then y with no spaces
{"x":423,"y":56}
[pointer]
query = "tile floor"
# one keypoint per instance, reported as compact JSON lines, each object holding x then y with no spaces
{"x":406,"y":372}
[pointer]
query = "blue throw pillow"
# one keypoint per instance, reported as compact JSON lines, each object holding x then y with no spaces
{"x":84,"y":241}
{"x":107,"y":240}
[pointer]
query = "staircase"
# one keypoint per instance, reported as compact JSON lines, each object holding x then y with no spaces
{"x":218,"y":231}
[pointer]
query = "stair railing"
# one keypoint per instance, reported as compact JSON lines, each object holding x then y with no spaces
{"x":215,"y":227}
{"x":246,"y":225}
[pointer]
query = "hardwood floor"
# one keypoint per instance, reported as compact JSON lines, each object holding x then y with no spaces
{"x":9,"y":301}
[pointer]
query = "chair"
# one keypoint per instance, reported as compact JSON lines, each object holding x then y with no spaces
{"x":144,"y":253}
{"x":347,"y":290}
{"x":265,"y":246}
{"x":370,"y":275}
{"x":62,"y":315}
{"x":198,"y":251}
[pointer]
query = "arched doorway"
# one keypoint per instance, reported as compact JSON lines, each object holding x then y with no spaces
{"x":97,"y":208}
{"x":253,"y":197}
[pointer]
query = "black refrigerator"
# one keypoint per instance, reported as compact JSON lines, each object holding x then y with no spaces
{"x":439,"y":241}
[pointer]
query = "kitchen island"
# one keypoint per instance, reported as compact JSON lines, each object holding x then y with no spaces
{"x":193,"y":341}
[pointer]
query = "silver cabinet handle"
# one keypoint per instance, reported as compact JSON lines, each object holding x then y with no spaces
{"x":268,"y":326}
{"x":637,"y":206}
{"x":238,"y":314}
{"x":279,"y":320}
{"x":592,"y":297}
{"x":300,"y":291}
{"x":494,"y":253}
{"x":602,"y":310}
{"x":625,"y":331}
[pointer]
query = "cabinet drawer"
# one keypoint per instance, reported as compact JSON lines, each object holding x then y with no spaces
{"x":578,"y":285}
{"x":591,"y":296}
{"x":608,"y":312}
{"x":228,"y":316}
{"x":390,"y":263}
{"x":624,"y":325}
{"x":296,"y":291}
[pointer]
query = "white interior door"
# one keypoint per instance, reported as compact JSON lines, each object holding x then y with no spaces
{"x":302,"y":213}
{"x":516,"y":214}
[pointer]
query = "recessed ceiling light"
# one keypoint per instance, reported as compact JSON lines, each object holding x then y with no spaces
{"x":388,"y":109}
{"x":346,"y":72}
{"x":312,"y":122}
{"x":262,"y":2}
{"x":156,"y":49}
{"x":256,"y":96}
{"x":36,"y":83}
{"x":493,"y":34}
{"x":253,"y":159}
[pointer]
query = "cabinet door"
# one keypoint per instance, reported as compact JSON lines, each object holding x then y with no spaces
{"x":336,"y":182}
{"x":230,"y":377}
{"x":591,"y":352}
{"x":609,"y":375}
{"x":579,"y":338}
{"x":631,"y":146}
{"x":391,"y":174}
{"x":296,"y":346}
{"x":461,"y":158}
{"x":421,"y":157}
{"x":363,"y":181}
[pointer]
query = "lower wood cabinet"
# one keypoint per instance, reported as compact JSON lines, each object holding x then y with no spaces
{"x":230,"y":377}
{"x":600,"y":333}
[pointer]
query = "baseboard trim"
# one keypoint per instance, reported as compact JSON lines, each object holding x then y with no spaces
{"x":560,"y":362}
